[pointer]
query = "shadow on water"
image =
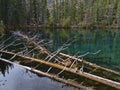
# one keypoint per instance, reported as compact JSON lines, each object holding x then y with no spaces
{"x":4,"y":67}
{"x":13,"y":77}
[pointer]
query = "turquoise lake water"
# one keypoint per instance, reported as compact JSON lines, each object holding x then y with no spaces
{"x":102,"y":46}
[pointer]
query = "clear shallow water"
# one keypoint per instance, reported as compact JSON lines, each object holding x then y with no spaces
{"x":14,"y":77}
{"x":105,"y":41}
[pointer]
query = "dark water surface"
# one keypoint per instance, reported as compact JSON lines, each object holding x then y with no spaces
{"x":107,"y":42}
{"x":13,"y":77}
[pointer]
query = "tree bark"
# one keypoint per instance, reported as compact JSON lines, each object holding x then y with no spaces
{"x":84,"y":74}
{"x":50,"y":76}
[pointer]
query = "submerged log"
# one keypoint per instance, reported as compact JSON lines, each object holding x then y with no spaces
{"x":50,"y":76}
{"x":91,"y":64}
{"x":39,"y":47}
{"x":68,"y":56}
{"x":105,"y":81}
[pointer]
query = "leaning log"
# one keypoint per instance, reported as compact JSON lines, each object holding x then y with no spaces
{"x":50,"y":76}
{"x":91,"y":64}
{"x":105,"y":81}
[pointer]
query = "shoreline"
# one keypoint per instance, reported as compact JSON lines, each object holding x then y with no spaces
{"x":61,"y":27}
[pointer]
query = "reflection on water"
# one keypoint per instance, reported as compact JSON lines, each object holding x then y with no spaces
{"x":85,"y":41}
{"x":108,"y":41}
{"x":22,"y":79}
{"x":4,"y":67}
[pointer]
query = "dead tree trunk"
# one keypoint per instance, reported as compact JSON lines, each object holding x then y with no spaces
{"x":91,"y":64}
{"x":50,"y":76}
{"x":84,"y":74}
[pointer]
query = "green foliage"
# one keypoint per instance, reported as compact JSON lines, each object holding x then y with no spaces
{"x":60,"y":12}
{"x":51,"y":20}
{"x":65,"y":21}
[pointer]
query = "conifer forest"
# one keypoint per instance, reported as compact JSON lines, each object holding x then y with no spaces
{"x":60,"y":13}
{"x":59,"y":44}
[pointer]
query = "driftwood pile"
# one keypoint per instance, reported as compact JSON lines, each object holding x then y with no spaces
{"x":33,"y":51}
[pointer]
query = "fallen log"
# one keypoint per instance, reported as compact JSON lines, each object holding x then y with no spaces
{"x":105,"y":81}
{"x":68,"y":56}
{"x":91,"y":64}
{"x":50,"y":76}
{"x":43,"y":49}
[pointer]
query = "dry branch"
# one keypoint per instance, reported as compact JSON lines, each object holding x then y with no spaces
{"x":91,"y":64}
{"x":50,"y":76}
{"x":84,"y":74}
{"x":43,"y":50}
